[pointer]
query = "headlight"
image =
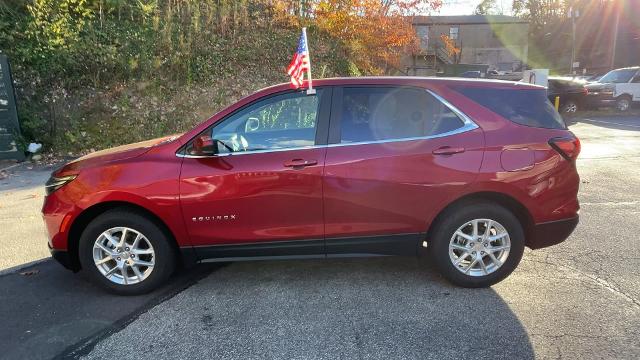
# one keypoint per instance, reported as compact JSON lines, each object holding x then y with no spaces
{"x":55,"y":183}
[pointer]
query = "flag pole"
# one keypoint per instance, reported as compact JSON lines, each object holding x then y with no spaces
{"x":310,"y":90}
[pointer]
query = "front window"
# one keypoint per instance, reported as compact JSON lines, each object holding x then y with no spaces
{"x":375,"y":113}
{"x":278,"y":122}
{"x":618,"y":76}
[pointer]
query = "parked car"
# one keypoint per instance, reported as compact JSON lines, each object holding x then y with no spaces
{"x":619,"y":88}
{"x":572,"y":93}
{"x":467,"y":171}
{"x":474,"y":74}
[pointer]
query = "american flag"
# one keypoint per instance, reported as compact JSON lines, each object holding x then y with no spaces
{"x":300,"y":62}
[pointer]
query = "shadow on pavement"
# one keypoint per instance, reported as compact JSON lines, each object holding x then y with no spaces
{"x":47,"y":310}
{"x":378,"y":308}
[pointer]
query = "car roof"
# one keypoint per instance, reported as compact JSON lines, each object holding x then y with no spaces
{"x":565,"y":79}
{"x":412,"y":81}
{"x":628,"y":68}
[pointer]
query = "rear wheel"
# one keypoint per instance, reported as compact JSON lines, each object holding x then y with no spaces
{"x":477,"y":244}
{"x":570,"y":107}
{"x":623,"y":103}
{"x":126,"y":252}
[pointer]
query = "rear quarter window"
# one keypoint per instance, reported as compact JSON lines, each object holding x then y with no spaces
{"x":529,"y":107}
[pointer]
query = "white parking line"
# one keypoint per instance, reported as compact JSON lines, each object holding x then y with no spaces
{"x":611,"y":123}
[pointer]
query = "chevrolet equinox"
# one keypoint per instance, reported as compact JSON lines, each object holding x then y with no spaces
{"x":467,"y":172}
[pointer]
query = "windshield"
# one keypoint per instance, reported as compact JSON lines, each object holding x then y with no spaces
{"x":618,"y":76}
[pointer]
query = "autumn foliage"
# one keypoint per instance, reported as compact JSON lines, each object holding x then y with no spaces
{"x":84,"y":69}
{"x":376,"y":33}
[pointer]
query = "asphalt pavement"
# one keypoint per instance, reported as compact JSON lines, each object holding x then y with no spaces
{"x":579,"y":299}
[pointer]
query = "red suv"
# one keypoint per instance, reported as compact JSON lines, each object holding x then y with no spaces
{"x":467,"y":171}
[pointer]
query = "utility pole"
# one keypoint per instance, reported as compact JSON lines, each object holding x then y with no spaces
{"x":573,"y":14}
{"x":614,"y":42}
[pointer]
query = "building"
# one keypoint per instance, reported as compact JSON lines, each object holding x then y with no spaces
{"x":498,"y":42}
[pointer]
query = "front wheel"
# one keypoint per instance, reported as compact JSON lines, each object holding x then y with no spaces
{"x":126,"y":252}
{"x":477,"y":244}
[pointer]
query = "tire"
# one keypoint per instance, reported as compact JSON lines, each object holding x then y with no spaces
{"x":152,"y":248}
{"x":443,"y":234}
{"x":623,"y":103}
{"x":570,"y":107}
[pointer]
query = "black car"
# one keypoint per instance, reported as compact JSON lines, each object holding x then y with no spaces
{"x":474,"y":74}
{"x":572,"y":93}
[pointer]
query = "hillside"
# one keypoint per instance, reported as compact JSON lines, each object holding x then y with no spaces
{"x":94,"y":74}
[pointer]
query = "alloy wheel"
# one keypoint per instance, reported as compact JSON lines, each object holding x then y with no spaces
{"x":479,"y":247}
{"x":623,"y":105}
{"x":123,"y":255}
{"x":570,"y":108}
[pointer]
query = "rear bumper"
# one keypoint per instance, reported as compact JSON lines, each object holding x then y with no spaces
{"x":551,"y":233}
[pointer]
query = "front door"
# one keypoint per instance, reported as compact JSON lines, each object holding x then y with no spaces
{"x":263,"y":183}
{"x":395,"y":156}
{"x":634,"y":87}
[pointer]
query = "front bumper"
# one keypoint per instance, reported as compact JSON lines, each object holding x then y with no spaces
{"x":64,"y":258}
{"x":551,"y":233}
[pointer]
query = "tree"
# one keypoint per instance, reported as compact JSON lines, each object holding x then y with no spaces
{"x":487,"y":7}
{"x":541,"y":12}
{"x":377,"y":33}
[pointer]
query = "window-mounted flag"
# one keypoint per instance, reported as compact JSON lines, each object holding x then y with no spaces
{"x":301,"y":63}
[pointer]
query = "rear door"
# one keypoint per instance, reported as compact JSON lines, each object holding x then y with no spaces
{"x":263,"y":185}
{"x":395,"y":155}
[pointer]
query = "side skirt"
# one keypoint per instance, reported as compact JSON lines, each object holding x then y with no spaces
{"x":365,"y":246}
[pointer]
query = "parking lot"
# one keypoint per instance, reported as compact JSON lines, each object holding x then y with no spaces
{"x":579,"y":299}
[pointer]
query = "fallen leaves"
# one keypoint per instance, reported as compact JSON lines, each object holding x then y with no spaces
{"x":30,"y":272}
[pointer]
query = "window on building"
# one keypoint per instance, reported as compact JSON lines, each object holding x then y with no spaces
{"x":453,"y":32}
{"x":422,"y":31}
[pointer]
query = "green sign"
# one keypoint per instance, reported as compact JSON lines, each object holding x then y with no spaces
{"x":9,"y":127}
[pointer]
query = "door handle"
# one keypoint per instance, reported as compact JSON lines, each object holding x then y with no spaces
{"x":300,"y":163}
{"x":448,"y":150}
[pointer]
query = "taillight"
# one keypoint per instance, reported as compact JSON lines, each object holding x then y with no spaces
{"x":567,"y":147}
{"x":585,"y":91}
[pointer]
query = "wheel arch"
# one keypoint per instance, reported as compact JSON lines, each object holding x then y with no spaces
{"x":510,"y":203}
{"x":89,"y":214}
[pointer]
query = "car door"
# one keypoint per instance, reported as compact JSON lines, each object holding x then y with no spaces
{"x":259,"y":179}
{"x":395,"y":155}
{"x":627,"y":82}
{"x":634,"y":87}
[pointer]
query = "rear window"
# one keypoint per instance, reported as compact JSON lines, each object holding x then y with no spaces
{"x":529,"y":107}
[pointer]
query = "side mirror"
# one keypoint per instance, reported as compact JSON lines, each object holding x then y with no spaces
{"x":203,"y":145}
